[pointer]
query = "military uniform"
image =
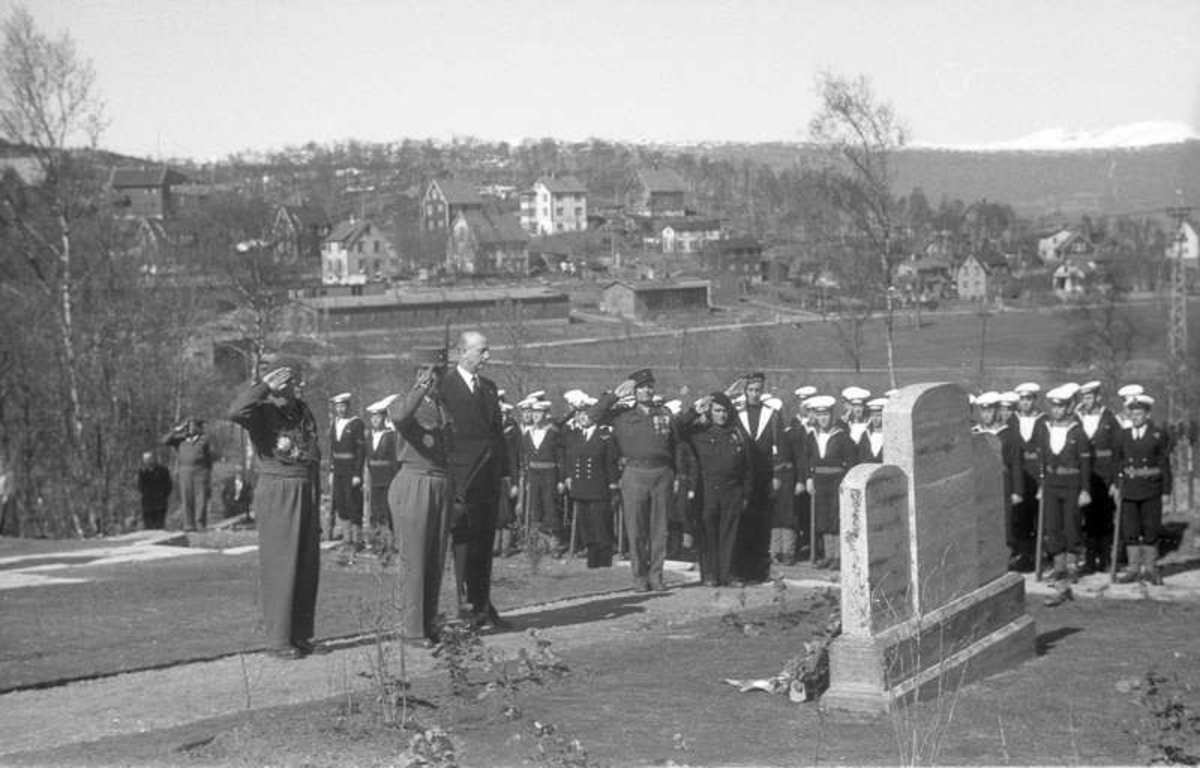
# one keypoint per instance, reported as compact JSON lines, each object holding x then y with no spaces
{"x":1143,"y":460}
{"x":752,"y":560}
{"x":382,"y":464}
{"x":194,"y":458}
{"x":724,"y":457}
{"x":831,"y":454}
{"x":1067,"y":464}
{"x":348,"y":455}
{"x":647,"y":441}
{"x":541,"y":460}
{"x":1102,"y":429}
{"x":1023,"y":530}
{"x":590,"y":466}
{"x":790,"y":514}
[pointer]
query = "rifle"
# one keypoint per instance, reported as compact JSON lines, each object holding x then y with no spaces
{"x":1116,"y":546}
{"x":1041,"y":520}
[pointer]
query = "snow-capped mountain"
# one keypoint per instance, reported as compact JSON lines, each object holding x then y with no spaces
{"x":1143,"y":134}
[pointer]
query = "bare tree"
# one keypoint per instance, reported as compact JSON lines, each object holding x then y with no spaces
{"x":861,"y":135}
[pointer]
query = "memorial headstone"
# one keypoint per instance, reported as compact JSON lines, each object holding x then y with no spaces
{"x":927,"y":603}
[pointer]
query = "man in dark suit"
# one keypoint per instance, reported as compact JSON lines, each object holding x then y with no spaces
{"x":478,"y":468}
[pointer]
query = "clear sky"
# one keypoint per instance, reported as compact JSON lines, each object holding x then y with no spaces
{"x":204,"y":78}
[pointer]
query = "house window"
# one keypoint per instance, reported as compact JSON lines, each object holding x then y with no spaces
{"x":376,"y":248}
{"x":360,"y":246}
{"x":579,"y":211}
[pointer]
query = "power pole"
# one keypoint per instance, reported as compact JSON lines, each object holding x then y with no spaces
{"x":1178,"y":416}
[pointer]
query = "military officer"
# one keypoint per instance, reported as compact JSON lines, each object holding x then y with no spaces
{"x":1142,"y":453}
{"x":590,"y":469}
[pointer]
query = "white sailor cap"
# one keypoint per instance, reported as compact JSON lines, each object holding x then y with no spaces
{"x":539,"y":405}
{"x":526,"y":403}
{"x":739,"y":401}
{"x":805,"y":392}
{"x":1028,"y":389}
{"x":379,"y":406}
{"x":1129,"y":390}
{"x":972,"y":399}
{"x":500,"y":393}
{"x":877,"y":404}
{"x":674,"y":406}
{"x":1089,"y":387}
{"x":856,"y":394}
{"x":1063,"y":393}
{"x":1009,"y":398}
{"x":989,"y":399}
{"x":576,"y":398}
{"x":342,"y":397}
{"x":772,"y":402}
{"x":1139,"y":401}
{"x":505,"y":406}
{"x":820,"y":402}
{"x":891,"y":393}
{"x":537,"y":394}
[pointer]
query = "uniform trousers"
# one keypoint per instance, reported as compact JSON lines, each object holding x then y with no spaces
{"x":1141,"y":520}
{"x":193,"y":493}
{"x":826,"y":504}
{"x":381,"y":513}
{"x":289,"y":557}
{"x":420,"y":511}
{"x":1060,"y":519}
{"x":473,"y":532}
{"x":646,"y":498}
{"x":541,"y":484}
{"x":752,"y":559}
{"x":1022,"y":520}
{"x":723,"y":505}
{"x":596,"y":530}
{"x":347,"y":500}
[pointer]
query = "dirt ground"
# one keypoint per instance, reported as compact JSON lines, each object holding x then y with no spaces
{"x":646,"y":687}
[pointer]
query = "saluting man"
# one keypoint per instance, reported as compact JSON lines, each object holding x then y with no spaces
{"x":647,"y":440}
{"x":1067,"y":459}
{"x":1102,"y":429}
{"x":831,"y":454}
{"x":1143,"y":457}
{"x":348,"y":455}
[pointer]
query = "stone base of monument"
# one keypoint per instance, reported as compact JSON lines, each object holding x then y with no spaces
{"x":978,"y":634}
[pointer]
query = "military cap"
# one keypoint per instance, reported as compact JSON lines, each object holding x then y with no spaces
{"x":674,"y":406}
{"x":877,"y":404}
{"x":341,"y":397}
{"x":1009,"y":398}
{"x":642,"y":377}
{"x":820,"y":402}
{"x":805,"y":391}
{"x":1062,"y":393}
{"x":379,"y":406}
{"x":576,"y":398}
{"x":539,"y":405}
{"x":1028,"y":389}
{"x":1140,"y":401}
{"x":755,"y":376}
{"x":1129,"y":390}
{"x":972,"y":399}
{"x":772,"y":402}
{"x":989,"y":399}
{"x":722,"y":399}
{"x":1089,"y":387}
{"x":856,"y":394}
{"x":891,"y":393}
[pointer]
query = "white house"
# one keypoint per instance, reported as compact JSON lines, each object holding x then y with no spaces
{"x":555,"y":205}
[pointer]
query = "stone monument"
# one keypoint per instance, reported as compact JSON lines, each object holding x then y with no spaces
{"x":927,"y":602}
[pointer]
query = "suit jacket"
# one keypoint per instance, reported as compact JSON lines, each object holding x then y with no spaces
{"x":477,"y":448}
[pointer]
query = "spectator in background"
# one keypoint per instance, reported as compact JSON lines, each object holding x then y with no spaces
{"x":195,"y":459}
{"x":238,"y":495}
{"x":154,"y":485}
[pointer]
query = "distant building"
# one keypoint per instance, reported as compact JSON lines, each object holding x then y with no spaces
{"x":444,"y":199}
{"x":687,"y":235}
{"x":554,"y":206}
{"x":656,"y":192}
{"x":22,"y":161}
{"x":740,"y":256}
{"x":645,"y":300}
{"x":1047,"y":247}
{"x":145,"y":192}
{"x":297,"y":232}
{"x":984,"y":275}
{"x":487,"y":241}
{"x":161,"y":246}
{"x":357,"y":251}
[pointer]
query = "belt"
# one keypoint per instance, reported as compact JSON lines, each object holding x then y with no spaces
{"x":1143,"y":471}
{"x":784,"y":465}
{"x":380,"y":463}
{"x":350,"y":456}
{"x":1103,"y":453}
{"x":1062,"y":471}
{"x":542,"y":465}
{"x":646,"y":463}
{"x":1030,"y":455}
{"x":426,"y":471}
{"x":828,"y":471}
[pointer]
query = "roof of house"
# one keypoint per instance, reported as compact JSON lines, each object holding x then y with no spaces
{"x":641,"y":286}
{"x":145,"y":177}
{"x":435,"y":297}
{"x":690,"y":224}
{"x":661,"y":180}
{"x":562,"y":185}
{"x":348,"y":230}
{"x":307,"y":215}
{"x":458,"y":192}
{"x":731,"y":244}
{"x":493,"y":227}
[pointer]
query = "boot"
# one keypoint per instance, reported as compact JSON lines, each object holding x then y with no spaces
{"x":1150,"y":565}
{"x":788,"y":542}
{"x":1133,"y":567}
